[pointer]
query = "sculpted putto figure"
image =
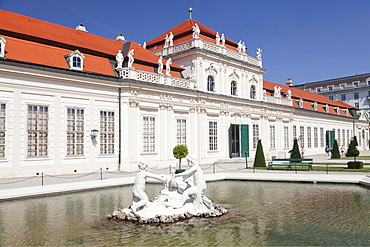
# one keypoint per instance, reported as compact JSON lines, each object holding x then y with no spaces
{"x":199,"y":184}
{"x":223,"y":40}
{"x":119,"y":59}
{"x":130,"y":58}
{"x":244,"y":49}
{"x":166,"y":41}
{"x":170,"y":39}
{"x":218,"y":39}
{"x":288,"y":94}
{"x":259,"y":53}
{"x":240,"y":46}
{"x":139,"y":197}
{"x":144,"y":45}
{"x":277,"y":90}
{"x":160,"y":65}
{"x":168,"y":66}
{"x":196,"y":31}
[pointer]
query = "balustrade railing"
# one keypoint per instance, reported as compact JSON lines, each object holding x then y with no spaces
{"x":277,"y":100}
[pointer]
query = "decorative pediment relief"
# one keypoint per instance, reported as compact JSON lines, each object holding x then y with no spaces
{"x":211,"y":70}
{"x":234,"y":76}
{"x":253,"y":80}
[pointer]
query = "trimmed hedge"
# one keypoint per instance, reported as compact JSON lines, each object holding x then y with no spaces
{"x":259,"y":159}
{"x":355,"y":165}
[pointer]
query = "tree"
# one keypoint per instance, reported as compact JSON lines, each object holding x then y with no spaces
{"x":295,"y":153}
{"x":335,"y":151}
{"x":259,"y":159}
{"x":179,"y":152}
{"x":352,"y":150}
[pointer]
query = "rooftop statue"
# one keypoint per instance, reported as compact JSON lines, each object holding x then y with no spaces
{"x":160,"y":65}
{"x":288,"y":94}
{"x":196,"y":31}
{"x":119,"y":59}
{"x":223,"y":40}
{"x":130,"y":58}
{"x":144,"y":45}
{"x":240,"y":46}
{"x":218,"y":39}
{"x":259,"y":53}
{"x":168,"y":66}
{"x":170,"y":39}
{"x":179,"y":199}
{"x":166,"y":41}
{"x":244,"y":49}
{"x":277,"y":90}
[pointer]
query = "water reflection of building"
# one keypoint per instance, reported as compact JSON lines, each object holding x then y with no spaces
{"x":72,"y":101}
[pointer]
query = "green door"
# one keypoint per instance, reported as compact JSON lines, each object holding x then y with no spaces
{"x":330,"y":137}
{"x":244,"y":133}
{"x":234,"y":141}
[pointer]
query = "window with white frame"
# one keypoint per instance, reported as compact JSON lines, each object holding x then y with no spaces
{"x":148,"y":134}
{"x":318,"y":89}
{"x":181,"y":131}
{"x":355,"y":83}
{"x":330,"y":88}
{"x":255,"y":135}
{"x":343,"y":97}
{"x":75,"y":60}
{"x":106,"y":132}
{"x":343,"y":137}
{"x":294,"y":132}
{"x":286,"y":137}
{"x":339,"y":140}
{"x":342,"y":86}
{"x":355,"y":95}
{"x":2,"y":129}
{"x":309,"y":140}
{"x":348,"y":138}
{"x":37,"y":131}
{"x":212,"y":135}
{"x":210,"y":84}
{"x":322,"y":143}
{"x":272,"y":136}
{"x":2,"y":46}
{"x":75,"y":131}
{"x":315,"y":138}
{"x":252,"y":92}
{"x":301,"y":136}
{"x":233,"y":88}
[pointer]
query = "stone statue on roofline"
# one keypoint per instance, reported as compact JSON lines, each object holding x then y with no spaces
{"x":218,"y":39}
{"x":160,"y":65}
{"x":288,"y":94}
{"x":119,"y":59}
{"x":223,"y":40}
{"x":166,"y":41}
{"x":168,"y":66}
{"x":144,"y":45}
{"x":244,"y":49}
{"x":259,"y":53}
{"x":196,"y":31}
{"x":130,"y":58}
{"x":170,"y":39}
{"x":277,"y":90}
{"x":240,"y":46}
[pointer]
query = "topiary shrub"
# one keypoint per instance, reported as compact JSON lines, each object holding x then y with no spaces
{"x":335,"y":151}
{"x":179,"y":152}
{"x":259,"y":159}
{"x":295,"y":153}
{"x":355,"y":164}
{"x":352,"y":147}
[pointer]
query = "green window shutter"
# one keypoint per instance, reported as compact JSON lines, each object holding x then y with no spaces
{"x":230,"y":140}
{"x":244,"y":129}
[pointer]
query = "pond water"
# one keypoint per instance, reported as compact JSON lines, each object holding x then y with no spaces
{"x":260,"y":214}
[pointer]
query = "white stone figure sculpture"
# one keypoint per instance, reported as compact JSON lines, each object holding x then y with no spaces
{"x":244,"y":49}
{"x":218,"y":39}
{"x":139,"y":197}
{"x":130,"y":58}
{"x":168,"y":66}
{"x":170,"y":38}
{"x":144,"y":45}
{"x":160,"y":65}
{"x":199,"y":184}
{"x":119,"y":59}
{"x":166,"y":41}
{"x":223,"y":40}
{"x":240,"y":46}
{"x":288,"y":94}
{"x":277,"y":90}
{"x":259,"y":53}
{"x":196,"y":31}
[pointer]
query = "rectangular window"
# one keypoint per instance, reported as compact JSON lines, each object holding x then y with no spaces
{"x":318,"y":90}
{"x":322,"y":137}
{"x":315,"y":138}
{"x":309,"y":141}
{"x":331,"y":97}
{"x":359,"y":138}
{"x":368,"y":93}
{"x":356,"y":95}
{"x":2,"y":129}
{"x":301,"y":136}
{"x":286,"y":137}
{"x":212,"y":135}
{"x":148,"y":134}
{"x":330,"y":88}
{"x":339,"y":140}
{"x":106,"y":132}
{"x":342,"y":86}
{"x":75,"y":131}
{"x":343,"y":137}
{"x":355,"y":84}
{"x":37,"y":131}
{"x":272,"y":136}
{"x":255,"y":135}
{"x":294,"y":132}
{"x":348,"y":138}
{"x":343,"y":97}
{"x":181,"y":132}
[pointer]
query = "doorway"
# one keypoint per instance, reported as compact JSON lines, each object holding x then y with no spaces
{"x":238,"y":140}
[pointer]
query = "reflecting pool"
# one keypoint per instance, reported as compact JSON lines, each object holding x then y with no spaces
{"x":260,"y":214}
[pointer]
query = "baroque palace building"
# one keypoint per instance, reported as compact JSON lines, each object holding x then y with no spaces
{"x":71,"y":101}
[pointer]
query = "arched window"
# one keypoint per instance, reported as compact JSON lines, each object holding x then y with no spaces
{"x":76,"y":62}
{"x":233,"y":88}
{"x":253,"y":92}
{"x":210,"y":84}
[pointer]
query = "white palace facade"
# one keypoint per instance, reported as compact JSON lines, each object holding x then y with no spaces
{"x":74,"y":102}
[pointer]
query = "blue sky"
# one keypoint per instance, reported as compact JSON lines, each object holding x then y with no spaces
{"x":306,"y":40}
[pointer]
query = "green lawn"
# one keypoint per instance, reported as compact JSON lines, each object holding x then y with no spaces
{"x":330,"y":168}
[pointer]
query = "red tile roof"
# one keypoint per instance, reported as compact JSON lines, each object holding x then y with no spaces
{"x":184,"y":32}
{"x":309,"y":98}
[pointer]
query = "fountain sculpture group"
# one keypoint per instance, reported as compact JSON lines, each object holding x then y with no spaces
{"x":179,"y":199}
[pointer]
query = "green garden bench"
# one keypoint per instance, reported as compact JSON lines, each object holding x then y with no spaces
{"x":289,"y":163}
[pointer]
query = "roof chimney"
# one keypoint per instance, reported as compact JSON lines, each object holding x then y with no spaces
{"x":289,"y":82}
{"x":121,"y":38}
{"x":81,"y":27}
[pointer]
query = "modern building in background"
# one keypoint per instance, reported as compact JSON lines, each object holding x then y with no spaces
{"x":74,"y":102}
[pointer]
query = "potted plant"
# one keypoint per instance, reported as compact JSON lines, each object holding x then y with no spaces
{"x":179,"y":152}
